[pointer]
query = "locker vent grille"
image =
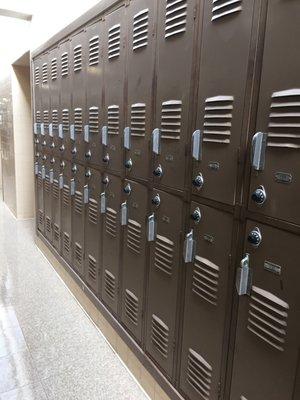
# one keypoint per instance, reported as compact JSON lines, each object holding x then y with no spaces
{"x":38,"y":117}
{"x":138,"y":119}
{"x":65,"y":120}
{"x":54,"y":69}
{"x":176,"y":13}
{"x":217,"y":119}
{"x":40,"y":181}
{"x":284,"y":125}
{"x":171,"y":119}
{"x":109,"y":284}
{"x":164,"y":254}
{"x":131,"y":306}
{"x":64,"y":64}
{"x":66,"y":196}
{"x":37,"y":76}
{"x":55,"y":120}
{"x":77,"y":58}
{"x":47,"y":184}
{"x":92,"y":268}
{"x":56,"y":233}
{"x":41,"y":217}
{"x":78,"y":202}
{"x":140,"y":29}
{"x":55,"y":189}
{"x":199,"y":374}
{"x":160,"y":336}
{"x":93,"y":211}
{"x":206,"y":280}
{"x":66,"y":243}
{"x":46,"y":119}
{"x":94,"y":51}
{"x":78,"y":120}
{"x":48,"y":224}
{"x":134,"y":233}
{"x":78,"y":253}
{"x":94,"y":120}
{"x":111,"y":222}
{"x":267,"y":317}
{"x":222,"y":8}
{"x":44,"y":73}
{"x":114,"y":41}
{"x":113,"y":119}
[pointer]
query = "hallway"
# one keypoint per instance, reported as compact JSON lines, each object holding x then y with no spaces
{"x":49,"y":351}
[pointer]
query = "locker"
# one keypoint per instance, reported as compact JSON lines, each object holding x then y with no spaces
{"x":56,"y":204}
{"x":39,"y":174}
{"x":92,"y":228}
{"x":37,"y":100}
{"x":45,"y":103}
{"x":48,"y":197}
{"x":164,"y":233}
{"x":66,"y":210}
{"x":133,"y":219}
{"x":140,"y":64}
{"x":111,"y":235}
{"x":268,"y":332}
{"x":224,"y":89}
{"x":207,"y":257}
{"x":175,"y":42}
{"x":274,"y":188}
{"x":114,"y":69}
{"x":55,"y":80}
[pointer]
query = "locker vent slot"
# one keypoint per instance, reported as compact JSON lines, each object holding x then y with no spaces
{"x":78,"y":253}
{"x":40,"y":182}
{"x":267,"y":317}
{"x":44,"y":74}
{"x":54,"y":69}
{"x":131,"y":306}
{"x":46,"y":119}
{"x":66,"y":196}
{"x":41,"y":217}
{"x":93,"y":211}
{"x":217,"y":119}
{"x":66,"y":243}
{"x":78,"y":120}
{"x":206,"y":280}
{"x":171,"y":119}
{"x":48,"y":224}
{"x":94,"y":120}
{"x":64,"y":64}
{"x":37,"y":76}
{"x":38,"y":118}
{"x":77,"y":58}
{"x":55,"y":189}
{"x":284,"y":124}
{"x":55,"y":120}
{"x":94,"y":51}
{"x":134,"y":234}
{"x":138,"y":119}
{"x":92,"y":268}
{"x":111,"y":222}
{"x":164,"y":254}
{"x":113,"y":120}
{"x":47,"y":185}
{"x":109,"y":284}
{"x":65,"y":120}
{"x":176,"y":14}
{"x":114,"y":41}
{"x":222,"y":8}
{"x":140,"y":29}
{"x":160,"y":336}
{"x":199,"y":374}
{"x":78,"y":202}
{"x":56,"y":233}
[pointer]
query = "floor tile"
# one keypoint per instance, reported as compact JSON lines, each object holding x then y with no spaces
{"x":11,"y":340}
{"x":28,"y":392}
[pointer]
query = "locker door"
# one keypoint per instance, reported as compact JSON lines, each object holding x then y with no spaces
{"x":66,"y":210}
{"x":92,"y":239}
{"x":37,"y":101}
{"x":56,"y":204}
{"x":45,"y":106}
{"x":164,"y":235}
{"x":140,"y":63}
{"x":207,"y":257}
{"x":110,"y":209}
{"x":268,"y":331}
{"x":94,"y":94}
{"x":223,"y":91}
{"x":55,"y":80}
{"x":133,"y":217}
{"x":48,"y":198}
{"x":114,"y":69}
{"x":275,"y":163}
{"x":175,"y":42}
{"x":40,"y":173}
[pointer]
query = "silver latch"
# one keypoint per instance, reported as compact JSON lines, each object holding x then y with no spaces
{"x":36,"y":168}
{"x":244,"y":277}
{"x":50,"y":129}
{"x":259,"y":144}
{"x":156,"y":141}
{"x":151,"y":236}
{"x":72,"y":132}
{"x":72,"y":186}
{"x":104,"y":135}
{"x":86,"y":133}
{"x":51,"y":176}
{"x":61,"y":181}
{"x":43,"y":172}
{"x":197,"y":140}
{"x":102,"y":203}
{"x":189,"y":247}
{"x":86,"y":194}
{"x":60,"y":131}
{"x":124,"y":213}
{"x":35,"y":128}
{"x":127,"y":138}
{"x":42,"y":129}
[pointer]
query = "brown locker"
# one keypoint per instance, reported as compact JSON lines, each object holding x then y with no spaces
{"x":45,"y":103}
{"x":92,"y":228}
{"x":164,"y":233}
{"x":114,"y":70}
{"x":141,"y":16}
{"x":55,"y":79}
{"x":65,"y":183}
{"x":275,"y":178}
{"x":48,"y":197}
{"x":110,"y":201}
{"x":268,"y":331}
{"x":39,"y":179}
{"x":37,"y":100}
{"x":224,"y":90}
{"x":56,"y":204}
{"x":134,"y":256}
{"x":207,"y":257}
{"x":175,"y":43}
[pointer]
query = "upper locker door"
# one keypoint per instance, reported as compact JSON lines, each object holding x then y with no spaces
{"x":133,"y":217}
{"x":94,"y":94}
{"x":140,"y":64}
{"x":45,"y":102}
{"x":266,"y":363}
{"x":37,"y":101}
{"x":175,"y":45}
{"x":275,"y":178}
{"x":56,"y":204}
{"x":164,"y":235}
{"x":54,"y":101}
{"x":207,"y":257}
{"x":223,"y":91}
{"x":114,"y":69}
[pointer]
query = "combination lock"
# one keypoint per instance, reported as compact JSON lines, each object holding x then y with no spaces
{"x":259,"y":196}
{"x":158,"y":171}
{"x":88,"y":173}
{"x":198,"y":181}
{"x":74,"y":151}
{"x":52,"y":161}
{"x":255,"y":237}
{"x":44,"y":157}
{"x":44,"y":143}
{"x":105,"y":181}
{"x":62,"y":148}
{"x":88,"y":154}
{"x":62,"y":164}
{"x":74,"y":169}
{"x":127,"y":189}
{"x":128,"y":164}
{"x":156,"y":200}
{"x":196,"y":215}
{"x":106,"y":158}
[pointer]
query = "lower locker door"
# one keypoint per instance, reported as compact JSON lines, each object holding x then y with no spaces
{"x":56,"y":202}
{"x":268,"y":330}
{"x":78,"y":211}
{"x":47,"y":204}
{"x":66,"y":208}
{"x":40,"y":199}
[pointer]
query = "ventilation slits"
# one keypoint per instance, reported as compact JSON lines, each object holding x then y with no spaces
{"x":38,"y":118}
{"x":171,"y":119}
{"x":46,"y":119}
{"x":164,"y":254}
{"x":92,"y":268}
{"x":131,"y":306}
{"x":55,"y":189}
{"x":40,"y":181}
{"x":223,"y":8}
{"x":176,"y":13}
{"x":160,"y":336}
{"x":94,"y":120}
{"x":199,"y":374}
{"x":56,"y":233}
{"x":113,"y":119}
{"x":55,"y":120}
{"x":66,"y":196}
{"x":114,"y":41}
{"x":78,"y":202}
{"x":78,"y":253}
{"x":54,"y":69}
{"x":94,"y":51}
{"x":93,"y":211}
{"x":206,"y":279}
{"x":78,"y":120}
{"x":138,"y":119}
{"x":47,"y":186}
{"x":111,"y":222}
{"x":77,"y":58}
{"x":64,"y":64}
{"x":284,"y":124}
{"x":37,"y":76}
{"x":109,"y":284}
{"x":65,"y":120}
{"x":44,"y":73}
{"x":66,"y":243}
{"x":267,"y":317}
{"x":140,"y":29}
{"x":134,"y":234}
{"x":40,"y":217}
{"x":48,"y":224}
{"x":217,"y":119}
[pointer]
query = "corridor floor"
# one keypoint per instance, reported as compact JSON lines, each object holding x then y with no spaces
{"x":49,"y":348}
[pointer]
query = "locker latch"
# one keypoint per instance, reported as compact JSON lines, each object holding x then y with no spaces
{"x":104,"y":135}
{"x":61,"y":181}
{"x":51,"y":176}
{"x":244,"y":277}
{"x":35,"y":128}
{"x":36,"y":168}
{"x":197,"y":140}
{"x":51,"y":129}
{"x":189,"y":247}
{"x":60,"y":131}
{"x":102,"y":203}
{"x":43,"y":172}
{"x":127,"y":138}
{"x":42,"y":129}
{"x":259,"y":144}
{"x":151,"y":235}
{"x":156,"y":141}
{"x":86,"y":194}
{"x":72,"y":186}
{"x":124,"y":214}
{"x":72,"y":132}
{"x":86,"y":133}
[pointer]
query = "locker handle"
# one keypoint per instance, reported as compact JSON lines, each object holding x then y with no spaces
{"x":104,"y":135}
{"x":259,"y":144}
{"x":60,"y":131}
{"x":43,"y":172}
{"x":127,"y":138}
{"x":50,"y":129}
{"x":244,"y":277}
{"x":189,"y":247}
{"x":86,"y":133}
{"x":35,"y":128}
{"x":72,"y":132}
{"x":156,"y":134}
{"x":86,"y":194}
{"x":72,"y":187}
{"x":102,"y":203}
{"x":124,"y":213}
{"x":36,"y":168}
{"x":42,"y":128}
{"x":51,"y":176}
{"x":61,"y":181}
{"x":197,"y":140}
{"x":151,"y":235}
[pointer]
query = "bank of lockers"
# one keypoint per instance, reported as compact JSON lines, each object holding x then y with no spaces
{"x":166,"y":143}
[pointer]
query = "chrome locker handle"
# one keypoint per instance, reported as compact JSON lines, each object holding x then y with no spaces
{"x":72,"y":132}
{"x":86,"y":195}
{"x":244,"y":277}
{"x":197,"y":140}
{"x":259,"y":144}
{"x":102,"y":203}
{"x":51,"y":176}
{"x":35,"y":128}
{"x":156,"y":134}
{"x":50,"y":129}
{"x":72,"y":186}
{"x":36,"y":168}
{"x":124,"y":213}
{"x":60,"y":131}
{"x":105,"y":135}
{"x":189,"y":247}
{"x":86,"y":133}
{"x":43,"y":172}
{"x":151,"y":234}
{"x":61,"y":181}
{"x":127,"y":138}
{"x":42,"y":129}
